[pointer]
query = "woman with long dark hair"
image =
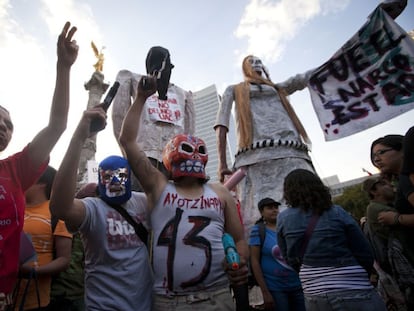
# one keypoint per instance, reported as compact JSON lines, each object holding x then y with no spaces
{"x":326,"y":245}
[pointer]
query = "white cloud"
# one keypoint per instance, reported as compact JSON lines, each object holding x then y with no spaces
{"x":333,"y":6}
{"x":269,"y":25}
{"x":29,"y":68}
{"x":23,"y":68}
{"x":4,"y":15}
{"x":56,"y":13}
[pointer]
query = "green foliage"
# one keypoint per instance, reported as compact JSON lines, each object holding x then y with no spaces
{"x":354,"y":200}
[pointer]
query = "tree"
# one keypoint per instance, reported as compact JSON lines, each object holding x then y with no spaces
{"x":354,"y":200}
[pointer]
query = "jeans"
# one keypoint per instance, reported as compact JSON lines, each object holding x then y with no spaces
{"x":219,"y":300}
{"x":289,"y":300}
{"x":353,"y":300}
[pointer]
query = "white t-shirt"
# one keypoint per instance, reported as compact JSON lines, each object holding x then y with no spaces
{"x":117,"y":270}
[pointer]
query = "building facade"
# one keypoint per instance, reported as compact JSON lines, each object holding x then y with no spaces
{"x":206,"y":102}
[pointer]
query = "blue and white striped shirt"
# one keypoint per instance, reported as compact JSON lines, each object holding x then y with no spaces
{"x":321,"y":280}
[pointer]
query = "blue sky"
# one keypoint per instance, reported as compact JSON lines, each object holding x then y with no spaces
{"x":206,"y":39}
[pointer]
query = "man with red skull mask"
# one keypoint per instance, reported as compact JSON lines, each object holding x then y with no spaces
{"x":188,"y":219}
{"x":166,"y":114}
{"x":185,"y":155}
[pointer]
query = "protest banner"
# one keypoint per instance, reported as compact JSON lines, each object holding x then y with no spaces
{"x":368,"y":81}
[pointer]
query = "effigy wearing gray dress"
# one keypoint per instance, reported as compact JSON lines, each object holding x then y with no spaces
{"x":277,"y":148}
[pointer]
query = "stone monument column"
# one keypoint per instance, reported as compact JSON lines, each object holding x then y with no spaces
{"x":96,"y":88}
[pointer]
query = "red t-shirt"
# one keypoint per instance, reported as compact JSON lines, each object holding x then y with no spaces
{"x":17,"y":174}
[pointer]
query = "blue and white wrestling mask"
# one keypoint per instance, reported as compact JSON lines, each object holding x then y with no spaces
{"x":114,"y":175}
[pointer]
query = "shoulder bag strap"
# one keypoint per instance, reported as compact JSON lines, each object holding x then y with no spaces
{"x":32,"y":276}
{"x":308,"y":233}
{"x":139,"y":228}
{"x":262,"y":233}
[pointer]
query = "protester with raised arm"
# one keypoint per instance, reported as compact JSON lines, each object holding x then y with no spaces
{"x":21,"y":170}
{"x":188,"y":219}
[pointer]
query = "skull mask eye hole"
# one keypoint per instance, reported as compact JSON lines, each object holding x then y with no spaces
{"x":202,"y":150}
{"x":118,"y":175}
{"x":255,"y":61}
{"x":122,"y":174}
{"x":186,"y":148}
{"x":107,"y":177}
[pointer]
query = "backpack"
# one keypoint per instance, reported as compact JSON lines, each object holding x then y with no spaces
{"x":395,"y":272}
{"x":379,"y":248}
{"x":262,"y":235}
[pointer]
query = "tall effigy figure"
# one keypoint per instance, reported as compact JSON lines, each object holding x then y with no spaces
{"x":271,"y":141}
{"x":167,"y":113}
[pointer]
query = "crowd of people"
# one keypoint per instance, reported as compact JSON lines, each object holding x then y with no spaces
{"x":148,"y":235}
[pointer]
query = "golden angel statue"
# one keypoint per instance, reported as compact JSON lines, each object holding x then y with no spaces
{"x":100,"y":56}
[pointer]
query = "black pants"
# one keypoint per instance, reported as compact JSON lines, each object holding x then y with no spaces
{"x":63,"y":304}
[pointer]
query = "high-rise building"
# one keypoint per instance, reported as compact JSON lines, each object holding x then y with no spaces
{"x":206,"y":103}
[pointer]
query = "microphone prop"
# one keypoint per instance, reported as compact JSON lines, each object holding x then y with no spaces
{"x":163,"y":79}
{"x":96,"y":124}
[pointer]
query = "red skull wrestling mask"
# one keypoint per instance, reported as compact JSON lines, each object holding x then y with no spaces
{"x":185,"y":155}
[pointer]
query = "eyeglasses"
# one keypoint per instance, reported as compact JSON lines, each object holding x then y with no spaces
{"x":380,"y":152}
